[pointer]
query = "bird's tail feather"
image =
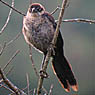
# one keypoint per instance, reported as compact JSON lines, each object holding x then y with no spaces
{"x":64,"y":73}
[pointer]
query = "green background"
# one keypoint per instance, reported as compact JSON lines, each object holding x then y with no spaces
{"x":79,"y":46}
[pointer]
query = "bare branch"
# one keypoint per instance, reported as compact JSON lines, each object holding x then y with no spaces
{"x":5,"y":3}
{"x":2,"y":48}
{"x":15,"y":38}
{"x":41,"y":78}
{"x":57,"y":8}
{"x":8,"y":18}
{"x":80,"y":20}
{"x":51,"y":88}
{"x":10,"y":84}
{"x":27,"y":77}
{"x":1,"y":85}
{"x":11,"y":59}
{"x":10,"y":69}
{"x":7,"y":44}
{"x":34,"y":91}
{"x":30,"y":1}
{"x":33,"y":65}
{"x":7,"y":73}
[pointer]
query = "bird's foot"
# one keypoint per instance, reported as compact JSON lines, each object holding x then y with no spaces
{"x":43,"y":74}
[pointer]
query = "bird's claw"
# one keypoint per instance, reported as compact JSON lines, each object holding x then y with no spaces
{"x":43,"y":74}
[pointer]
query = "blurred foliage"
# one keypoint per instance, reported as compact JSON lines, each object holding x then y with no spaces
{"x":79,"y":39}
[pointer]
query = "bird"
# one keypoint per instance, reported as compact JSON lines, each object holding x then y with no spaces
{"x":38,"y":29}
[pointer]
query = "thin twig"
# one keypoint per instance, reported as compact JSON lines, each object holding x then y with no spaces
{"x":27,"y":77}
{"x":51,"y":88}
{"x":8,"y":43}
{"x":10,"y":84}
{"x":11,"y":59}
{"x":30,"y":1}
{"x":2,"y":48}
{"x":15,"y":38}
{"x":34,"y":91}
{"x":8,"y":18}
{"x":25,"y":88}
{"x":33,"y":65}
{"x":1,"y":85}
{"x":57,"y":8}
{"x":80,"y":20}
{"x":41,"y":78}
{"x":5,"y":3}
{"x":8,"y":72}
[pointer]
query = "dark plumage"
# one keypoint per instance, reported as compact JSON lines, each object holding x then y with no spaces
{"x":38,"y":29}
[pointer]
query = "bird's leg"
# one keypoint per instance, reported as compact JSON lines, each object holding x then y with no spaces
{"x":42,"y":72}
{"x":43,"y":62}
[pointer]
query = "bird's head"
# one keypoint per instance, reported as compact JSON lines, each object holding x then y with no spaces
{"x":35,"y":9}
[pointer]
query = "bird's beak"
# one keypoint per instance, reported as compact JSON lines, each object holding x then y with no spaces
{"x":35,"y":13}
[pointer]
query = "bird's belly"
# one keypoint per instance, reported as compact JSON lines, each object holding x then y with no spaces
{"x":41,"y":40}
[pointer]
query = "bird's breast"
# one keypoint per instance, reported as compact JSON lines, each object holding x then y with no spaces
{"x":39,"y":33}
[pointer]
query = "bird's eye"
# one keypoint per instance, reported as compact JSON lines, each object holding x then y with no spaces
{"x":35,"y":8}
{"x":39,"y":9}
{"x":30,"y":9}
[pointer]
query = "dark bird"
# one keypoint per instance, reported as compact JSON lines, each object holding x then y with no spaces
{"x":38,"y":30}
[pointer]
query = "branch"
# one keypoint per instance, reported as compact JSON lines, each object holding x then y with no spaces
{"x":8,"y":18}
{"x":15,"y":38}
{"x":6,"y":74}
{"x":51,"y":88}
{"x":3,"y":77}
{"x":79,"y":20}
{"x":7,"y":44}
{"x":14,"y":55}
{"x":5,"y":3}
{"x":1,"y":85}
{"x":9,"y":71}
{"x":34,"y":67}
{"x":2,"y":48}
{"x":57,"y":8}
{"x":59,"y":22}
{"x":27,"y":77}
{"x":34,"y":92}
{"x":10,"y":84}
{"x":41,"y":78}
{"x":30,"y":1}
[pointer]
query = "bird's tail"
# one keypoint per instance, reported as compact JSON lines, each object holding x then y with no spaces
{"x":64,"y":73}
